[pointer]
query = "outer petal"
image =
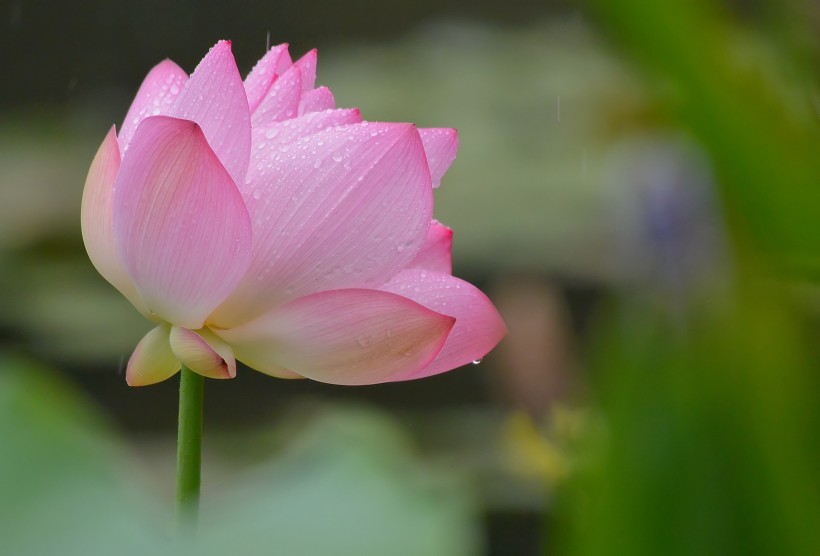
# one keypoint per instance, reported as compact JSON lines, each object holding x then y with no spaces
{"x":215,"y":98}
{"x":440,"y":145}
{"x":203,"y":352}
{"x":152,"y":360}
{"x":344,"y":336}
{"x":97,"y":213}
{"x":275,"y":62}
{"x":156,"y":96}
{"x":282,"y":99}
{"x":478,"y":327}
{"x":346,"y":207}
{"x":316,"y":100}
{"x":437,"y":252}
{"x":181,"y":225}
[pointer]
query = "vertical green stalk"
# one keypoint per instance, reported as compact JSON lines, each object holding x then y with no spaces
{"x":189,"y":446}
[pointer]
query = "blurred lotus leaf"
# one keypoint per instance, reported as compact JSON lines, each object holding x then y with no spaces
{"x":348,"y":485}
{"x":65,"y":487}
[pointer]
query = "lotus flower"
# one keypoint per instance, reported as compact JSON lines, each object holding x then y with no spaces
{"x":254,"y":221}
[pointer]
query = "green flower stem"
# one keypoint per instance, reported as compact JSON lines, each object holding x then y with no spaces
{"x":189,"y":446}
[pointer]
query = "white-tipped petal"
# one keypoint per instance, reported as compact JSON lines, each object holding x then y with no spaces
{"x":152,"y":360}
{"x":97,"y":220}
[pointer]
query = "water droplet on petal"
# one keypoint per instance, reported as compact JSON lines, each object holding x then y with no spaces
{"x":476,"y":361}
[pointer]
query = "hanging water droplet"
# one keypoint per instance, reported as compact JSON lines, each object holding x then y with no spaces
{"x":476,"y":361}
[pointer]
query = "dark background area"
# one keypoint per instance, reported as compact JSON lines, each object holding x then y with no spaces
{"x":57,"y":52}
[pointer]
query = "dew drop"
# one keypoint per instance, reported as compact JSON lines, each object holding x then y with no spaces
{"x":476,"y":361}
{"x":364,"y":341}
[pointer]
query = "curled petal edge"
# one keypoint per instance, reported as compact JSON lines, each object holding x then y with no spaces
{"x":345,"y":337}
{"x":203,"y":352}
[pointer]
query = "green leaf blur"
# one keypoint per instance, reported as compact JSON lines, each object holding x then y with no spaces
{"x":708,"y":442}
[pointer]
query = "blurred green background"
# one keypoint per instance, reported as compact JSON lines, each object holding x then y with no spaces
{"x":637,"y":189}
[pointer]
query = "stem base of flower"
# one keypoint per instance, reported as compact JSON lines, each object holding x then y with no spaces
{"x":189,"y":447}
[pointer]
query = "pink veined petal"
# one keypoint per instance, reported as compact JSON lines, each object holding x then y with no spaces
{"x":268,"y":141}
{"x":152,"y":360}
{"x":316,"y":100}
{"x":347,"y":207}
{"x":346,"y":337}
{"x":275,"y":62}
{"x":203,"y":352}
{"x":282,"y":99}
{"x":181,"y":225}
{"x":437,"y":252}
{"x":96,"y":219}
{"x":156,"y":96}
{"x":214,"y":97}
{"x":478,"y":327}
{"x":307,"y":65}
{"x":440,"y":145}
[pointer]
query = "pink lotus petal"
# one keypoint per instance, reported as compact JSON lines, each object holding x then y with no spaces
{"x":181,"y":225}
{"x":156,"y":95}
{"x":346,"y":207}
{"x":307,"y":65}
{"x":282,"y":99}
{"x":152,"y":360}
{"x":316,"y":100}
{"x":267,"y":142}
{"x":478,"y":327}
{"x":215,"y":98}
{"x":203,"y":352}
{"x":344,"y":337}
{"x":96,"y":217}
{"x":437,"y":252}
{"x":275,"y":62}
{"x":440,"y":145}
